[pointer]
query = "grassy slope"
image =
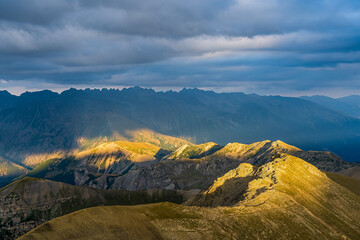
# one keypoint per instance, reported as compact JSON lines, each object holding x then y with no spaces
{"x":300,"y":203}
{"x":171,"y":221}
{"x":158,"y":139}
{"x":195,"y":151}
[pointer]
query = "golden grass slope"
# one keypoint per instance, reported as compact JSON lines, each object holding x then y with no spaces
{"x":111,"y":155}
{"x":133,"y":151}
{"x":283,"y":199}
{"x":195,"y":151}
{"x":140,"y":135}
{"x":257,"y":153}
{"x":165,"y":142}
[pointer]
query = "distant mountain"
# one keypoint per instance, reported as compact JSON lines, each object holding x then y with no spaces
{"x":29,"y":202}
{"x":347,"y":105}
{"x":38,"y":126}
{"x":7,"y":100}
{"x":285,"y":198}
{"x":353,"y":100}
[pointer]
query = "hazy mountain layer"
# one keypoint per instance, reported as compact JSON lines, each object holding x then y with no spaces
{"x":348,"y":105}
{"x":352,"y":99}
{"x":286,"y":198}
{"x":44,"y":123}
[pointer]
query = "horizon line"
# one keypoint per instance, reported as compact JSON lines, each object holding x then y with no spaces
{"x":157,"y":90}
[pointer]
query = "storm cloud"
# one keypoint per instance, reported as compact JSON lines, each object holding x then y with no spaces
{"x":264,"y":46}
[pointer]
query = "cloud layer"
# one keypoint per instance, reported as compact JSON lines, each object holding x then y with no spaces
{"x":265,"y":46}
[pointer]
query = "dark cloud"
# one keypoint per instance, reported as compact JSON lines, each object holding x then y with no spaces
{"x":249,"y":45}
{"x":43,"y":12}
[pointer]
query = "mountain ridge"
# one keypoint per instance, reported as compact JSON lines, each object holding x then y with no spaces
{"x":49,"y":122}
{"x":349,"y":105}
{"x":285,"y":208}
{"x":121,"y":169}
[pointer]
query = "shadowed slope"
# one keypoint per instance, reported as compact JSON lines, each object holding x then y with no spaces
{"x":29,"y":202}
{"x":353,"y":172}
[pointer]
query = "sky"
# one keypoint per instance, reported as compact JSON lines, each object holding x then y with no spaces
{"x":268,"y":47}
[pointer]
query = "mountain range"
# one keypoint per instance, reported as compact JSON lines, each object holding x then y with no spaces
{"x":36,"y":126}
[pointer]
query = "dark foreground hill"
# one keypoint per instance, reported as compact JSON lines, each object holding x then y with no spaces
{"x":29,"y":202}
{"x":37,"y":125}
{"x":286,"y":198}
